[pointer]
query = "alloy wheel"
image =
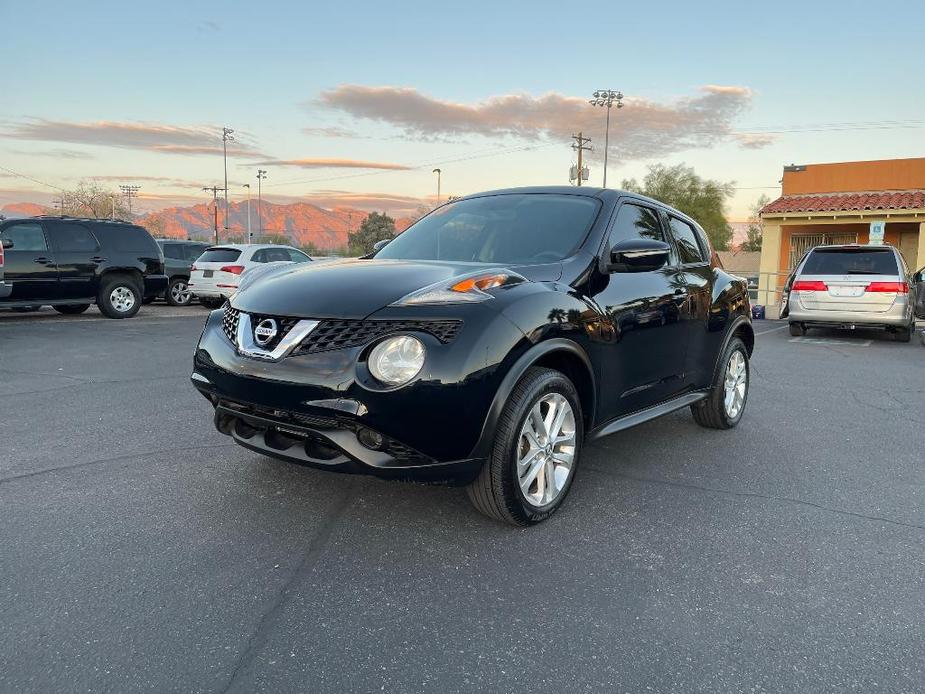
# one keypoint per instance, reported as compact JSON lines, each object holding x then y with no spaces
{"x":122,"y":299}
{"x":180,"y":293}
{"x":735,"y":384}
{"x":546,"y":449}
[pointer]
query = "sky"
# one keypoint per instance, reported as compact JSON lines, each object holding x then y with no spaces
{"x":356,"y":103}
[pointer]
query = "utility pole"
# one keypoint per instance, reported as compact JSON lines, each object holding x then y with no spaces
{"x":112,"y":201}
{"x":607,"y":97}
{"x":438,"y":172}
{"x":249,"y":236}
{"x":226,"y":135}
{"x":130,"y":192}
{"x":261,"y":175}
{"x":581,"y":146}
{"x":214,"y":190}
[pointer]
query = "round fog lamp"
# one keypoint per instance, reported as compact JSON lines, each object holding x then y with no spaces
{"x":370,"y":439}
{"x":396,"y":360}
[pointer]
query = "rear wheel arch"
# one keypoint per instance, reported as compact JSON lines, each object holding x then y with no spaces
{"x":131,"y":273}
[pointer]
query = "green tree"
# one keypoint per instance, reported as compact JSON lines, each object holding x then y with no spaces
{"x":375,"y":227}
{"x":753,"y":241}
{"x":702,"y":199}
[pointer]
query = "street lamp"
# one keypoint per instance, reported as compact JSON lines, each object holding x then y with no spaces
{"x":248,"y":186}
{"x":226,"y":135}
{"x":438,"y":172}
{"x":261,"y":175}
{"x":608,"y":98}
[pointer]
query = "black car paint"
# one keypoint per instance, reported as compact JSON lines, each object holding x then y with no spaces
{"x":630,"y":342}
{"x":176,"y":267}
{"x":59,"y":277}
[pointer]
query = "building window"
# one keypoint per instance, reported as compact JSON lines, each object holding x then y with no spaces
{"x":800,"y":243}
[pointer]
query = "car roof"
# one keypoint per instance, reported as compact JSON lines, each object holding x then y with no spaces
{"x":249,"y":246}
{"x":857,"y":246}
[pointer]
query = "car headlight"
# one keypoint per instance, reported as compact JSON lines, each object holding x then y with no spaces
{"x":465,"y":289}
{"x":396,"y":360}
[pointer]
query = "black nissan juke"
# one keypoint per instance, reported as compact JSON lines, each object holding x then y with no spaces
{"x":485,"y":345}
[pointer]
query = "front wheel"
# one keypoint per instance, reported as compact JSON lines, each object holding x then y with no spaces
{"x":72,"y":309}
{"x":725,"y":403}
{"x":535,"y":453}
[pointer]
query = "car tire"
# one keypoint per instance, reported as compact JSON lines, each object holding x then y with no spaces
{"x":71,"y":309}
{"x":512,"y":485}
{"x":725,"y":403}
{"x":903,"y":334}
{"x":797,"y":329}
{"x":178,"y":293}
{"x":211,"y":303}
{"x":119,"y":297}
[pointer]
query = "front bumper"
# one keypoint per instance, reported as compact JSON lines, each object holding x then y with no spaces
{"x":314,"y":409}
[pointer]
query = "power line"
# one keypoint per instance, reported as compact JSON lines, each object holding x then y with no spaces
{"x":129,"y":192}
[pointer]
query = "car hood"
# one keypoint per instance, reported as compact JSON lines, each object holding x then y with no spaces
{"x":352,"y":288}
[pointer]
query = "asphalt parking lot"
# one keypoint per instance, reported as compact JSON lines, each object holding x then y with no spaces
{"x":141,"y":551}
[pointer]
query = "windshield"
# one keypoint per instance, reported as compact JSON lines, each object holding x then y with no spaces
{"x":519,"y":229}
{"x":851,"y":261}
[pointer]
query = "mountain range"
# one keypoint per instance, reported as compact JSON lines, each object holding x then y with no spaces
{"x":302,"y":223}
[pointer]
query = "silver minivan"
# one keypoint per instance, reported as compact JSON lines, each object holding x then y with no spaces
{"x":850,"y":286}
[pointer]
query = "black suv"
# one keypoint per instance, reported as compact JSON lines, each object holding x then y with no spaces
{"x":70,"y":263}
{"x":178,"y":258}
{"x":486,"y":344}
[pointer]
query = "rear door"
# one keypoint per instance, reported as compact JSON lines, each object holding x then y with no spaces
{"x":77,"y":251}
{"x":29,"y":266}
{"x":860,"y":279}
{"x":696,"y":280}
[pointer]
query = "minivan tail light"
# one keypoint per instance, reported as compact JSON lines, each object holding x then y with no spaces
{"x":891,"y":287}
{"x":809,"y":286}
{"x":233,"y":269}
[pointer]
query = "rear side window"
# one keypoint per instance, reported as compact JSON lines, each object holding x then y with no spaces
{"x":688,"y":247}
{"x":298,"y":256}
{"x":73,"y":238}
{"x":219,"y":255}
{"x":851,"y":261}
{"x":174,"y":251}
{"x":193,"y":251}
{"x":126,"y":238}
{"x":25,"y":237}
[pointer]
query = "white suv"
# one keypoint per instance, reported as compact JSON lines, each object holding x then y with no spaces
{"x":216,"y":274}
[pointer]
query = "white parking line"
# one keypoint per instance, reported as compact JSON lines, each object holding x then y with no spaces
{"x":830,"y":341}
{"x":771,"y":330}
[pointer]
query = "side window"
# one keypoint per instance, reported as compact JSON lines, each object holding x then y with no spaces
{"x":174,"y":251}
{"x":259,"y":256}
{"x":276,"y":255}
{"x":634,"y":221}
{"x":194,"y":251}
{"x":25,"y":237}
{"x":686,"y":238}
{"x":298,"y":256}
{"x":74,"y":238}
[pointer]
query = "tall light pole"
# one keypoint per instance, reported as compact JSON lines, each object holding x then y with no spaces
{"x":226,"y":136}
{"x":261,"y":175}
{"x":130,"y":192}
{"x":438,"y":172}
{"x":248,"y":186}
{"x":607,"y":97}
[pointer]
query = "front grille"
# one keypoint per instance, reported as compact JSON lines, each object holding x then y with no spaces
{"x":284,"y":325}
{"x":340,"y":334}
{"x":230,"y":322}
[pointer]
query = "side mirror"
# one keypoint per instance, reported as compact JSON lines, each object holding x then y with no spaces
{"x":379,"y":245}
{"x":916,"y":278}
{"x":7,"y":244}
{"x":638,"y":255}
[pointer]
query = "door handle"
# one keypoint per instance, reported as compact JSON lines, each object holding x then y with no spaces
{"x":98,"y":259}
{"x":42,"y":260}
